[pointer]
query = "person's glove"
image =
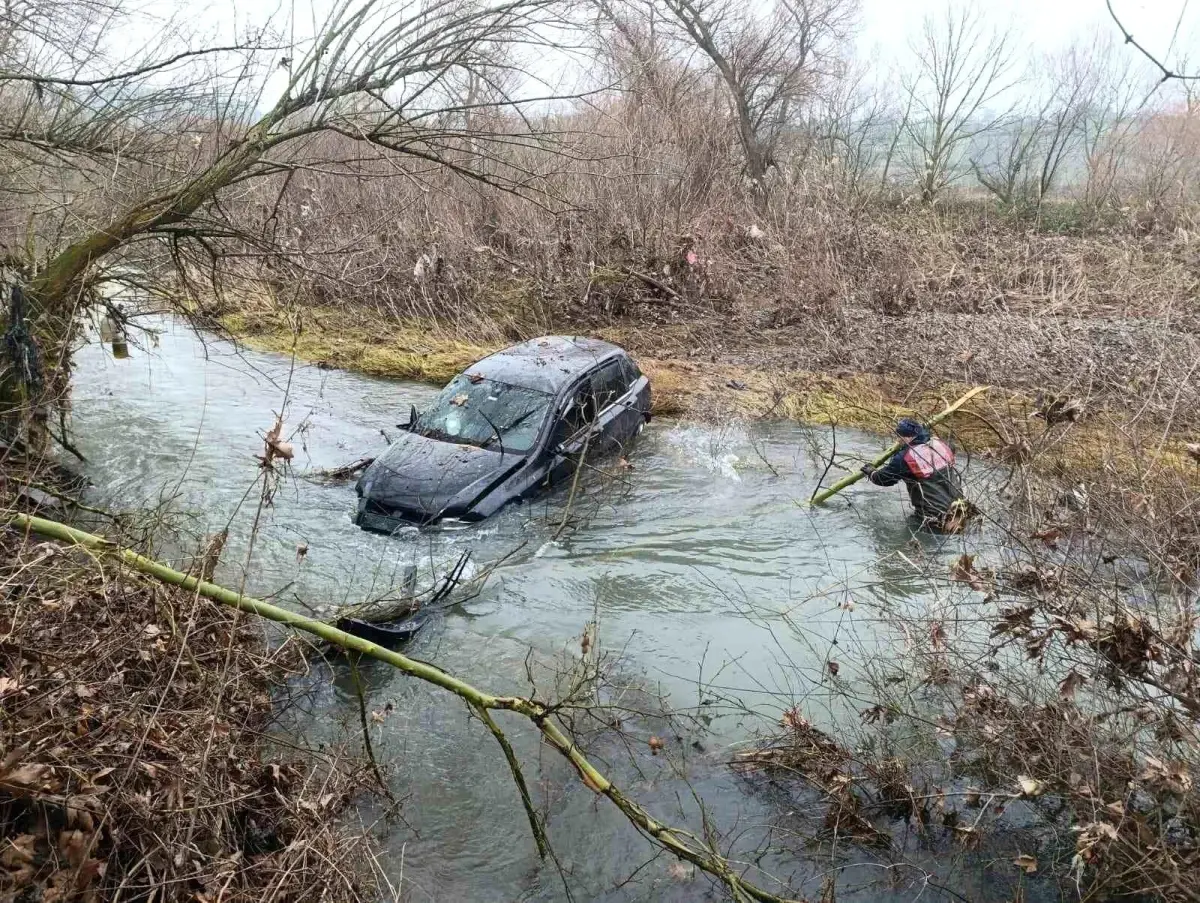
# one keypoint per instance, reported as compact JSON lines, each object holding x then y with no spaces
{"x":868,"y":470}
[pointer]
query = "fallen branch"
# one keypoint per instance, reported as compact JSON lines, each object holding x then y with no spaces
{"x":841,"y":484}
{"x":345,"y":472}
{"x":673,"y":840}
{"x":654,"y":283}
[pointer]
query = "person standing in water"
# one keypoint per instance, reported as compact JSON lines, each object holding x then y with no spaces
{"x":926,"y":466}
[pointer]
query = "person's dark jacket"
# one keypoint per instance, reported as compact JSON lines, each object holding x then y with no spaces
{"x":927,"y":469}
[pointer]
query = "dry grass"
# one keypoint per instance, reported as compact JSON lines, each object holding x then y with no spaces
{"x":135,"y":753}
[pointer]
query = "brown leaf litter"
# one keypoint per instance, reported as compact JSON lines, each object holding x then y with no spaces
{"x":132,"y":751}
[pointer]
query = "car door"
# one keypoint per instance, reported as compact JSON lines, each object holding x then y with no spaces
{"x":573,"y":430}
{"x":609,"y":388}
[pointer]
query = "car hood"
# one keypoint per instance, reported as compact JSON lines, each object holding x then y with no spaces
{"x":419,"y":477}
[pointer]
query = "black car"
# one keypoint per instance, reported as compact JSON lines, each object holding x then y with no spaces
{"x":512,"y":424}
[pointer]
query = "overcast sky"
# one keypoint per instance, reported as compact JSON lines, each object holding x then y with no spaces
{"x":1168,"y":28}
{"x":1046,"y":24}
{"x":886,"y":24}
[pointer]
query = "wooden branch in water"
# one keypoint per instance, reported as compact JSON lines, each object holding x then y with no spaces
{"x":382,"y":611}
{"x":346,"y":471}
{"x":841,"y":484}
{"x":541,"y":716}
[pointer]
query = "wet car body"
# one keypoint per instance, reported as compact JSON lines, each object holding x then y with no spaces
{"x":513,"y":424}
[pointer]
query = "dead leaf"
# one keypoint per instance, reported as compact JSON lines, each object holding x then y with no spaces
{"x":84,"y":692}
{"x":301,"y":551}
{"x":78,"y":815}
{"x":1106,"y":829}
{"x":1050,"y":537}
{"x":475,"y":378}
{"x":963,"y":570}
{"x":681,"y":871}
{"x":1027,"y":862}
{"x":1017,"y":621}
{"x":33,"y":777}
{"x":1172,"y":777}
{"x":1058,"y":409}
{"x":624,"y":464}
{"x":656,"y":745}
{"x":459,"y":400}
{"x":1070,"y":684}
{"x":1193,"y":449}
{"x":8,"y":685}
{"x":937,"y":636}
{"x":875,"y":714}
{"x":89,"y":871}
{"x":275,"y":446}
{"x":833,"y":667}
{"x":151,"y":631}
{"x":72,"y":844}
{"x":1030,"y":786}
{"x":17,"y":850}
{"x":848,"y":605}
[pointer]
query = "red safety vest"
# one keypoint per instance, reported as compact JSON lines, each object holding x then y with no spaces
{"x":928,"y":458}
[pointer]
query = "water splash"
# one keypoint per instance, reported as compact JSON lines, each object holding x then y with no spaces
{"x":711,"y":448}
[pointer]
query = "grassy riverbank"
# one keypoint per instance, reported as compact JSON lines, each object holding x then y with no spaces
{"x":1003,"y":424}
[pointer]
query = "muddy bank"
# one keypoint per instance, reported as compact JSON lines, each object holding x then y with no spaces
{"x":136,"y":756}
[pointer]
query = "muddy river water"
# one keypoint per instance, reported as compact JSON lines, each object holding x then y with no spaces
{"x":707,"y":581}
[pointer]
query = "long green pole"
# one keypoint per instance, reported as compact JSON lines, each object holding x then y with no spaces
{"x":672,"y":840}
{"x":882,"y":459}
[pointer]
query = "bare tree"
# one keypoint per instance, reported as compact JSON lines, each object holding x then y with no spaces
{"x":382,"y":75}
{"x":846,"y":125}
{"x":769,"y":61}
{"x":1028,"y":155}
{"x":1116,"y":91}
{"x":960,"y":68}
{"x":1006,"y":174}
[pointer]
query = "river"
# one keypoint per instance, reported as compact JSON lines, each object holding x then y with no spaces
{"x":708,"y":581}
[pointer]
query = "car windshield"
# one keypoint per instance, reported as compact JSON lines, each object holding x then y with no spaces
{"x":485,"y":413}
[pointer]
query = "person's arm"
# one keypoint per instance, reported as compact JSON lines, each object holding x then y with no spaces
{"x":890,"y":474}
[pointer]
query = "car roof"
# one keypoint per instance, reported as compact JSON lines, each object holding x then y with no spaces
{"x":546,"y":364}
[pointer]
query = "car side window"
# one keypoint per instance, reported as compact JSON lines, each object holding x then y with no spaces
{"x":629,"y":370}
{"x":609,"y":383}
{"x":579,"y":412}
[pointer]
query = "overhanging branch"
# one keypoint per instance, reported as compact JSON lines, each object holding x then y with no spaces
{"x":673,"y":840}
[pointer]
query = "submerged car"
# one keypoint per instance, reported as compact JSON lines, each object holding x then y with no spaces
{"x":516,"y":422}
